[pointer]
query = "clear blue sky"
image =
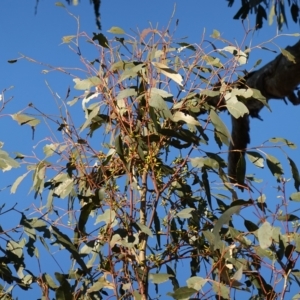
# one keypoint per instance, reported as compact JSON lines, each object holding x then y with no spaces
{"x":40,"y":37}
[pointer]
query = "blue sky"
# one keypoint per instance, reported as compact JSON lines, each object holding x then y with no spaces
{"x":40,"y":37}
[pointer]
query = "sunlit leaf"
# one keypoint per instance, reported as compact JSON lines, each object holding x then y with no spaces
{"x":15,"y":185}
{"x":23,"y":119}
{"x":164,"y":69}
{"x":86,"y":84}
{"x":68,"y":38}
{"x":116,"y":30}
{"x":295,"y":197}
{"x":256,"y":158}
{"x":284,"y":141}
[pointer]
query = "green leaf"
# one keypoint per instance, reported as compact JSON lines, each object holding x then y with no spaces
{"x":173,"y":277}
{"x":23,"y":119}
{"x":116,"y":30}
{"x":65,"y":241}
{"x":206,"y":187}
{"x":251,"y":227}
{"x":159,"y":103}
{"x":49,"y":281}
{"x":180,"y":116}
{"x":288,"y":55}
{"x":200,"y":162}
{"x":185,"y":213}
{"x":126,"y":93}
{"x":196,"y":282}
{"x":158,"y":278}
{"x":224,"y":219}
{"x":119,"y":146}
{"x":288,"y":217}
{"x":65,"y":187}
{"x":296,"y":296}
{"x":182,"y":293}
{"x":86,"y":84}
{"x":161,"y":92}
{"x":295,"y":173}
{"x":221,"y":290}
{"x":284,"y":141}
{"x":256,"y":158}
{"x":137,"y":295}
{"x":236,"y":108}
{"x":102,"y":40}
{"x":6,"y":162}
{"x":220,"y":128}
{"x":107,"y":217}
{"x":59,"y":4}
{"x":164,"y":69}
{"x":264,"y":235}
{"x":145,"y":229}
{"x":84,"y":215}
{"x":68,"y":38}
{"x":216,"y":34}
{"x":274,"y":166}
{"x":295,"y":197}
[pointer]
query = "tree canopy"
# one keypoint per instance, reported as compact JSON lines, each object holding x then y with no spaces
{"x":139,"y":180}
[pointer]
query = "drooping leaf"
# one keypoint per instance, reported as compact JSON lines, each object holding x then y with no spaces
{"x":172,"y":277}
{"x":65,"y":241}
{"x":220,"y":128}
{"x":145,"y":229}
{"x":256,"y":158}
{"x":224,"y":219}
{"x":206,"y":186}
{"x":274,"y":165}
{"x":295,"y":173}
{"x":164,"y":69}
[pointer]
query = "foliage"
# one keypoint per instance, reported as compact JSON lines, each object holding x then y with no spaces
{"x":267,"y":10}
{"x":126,"y":213}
